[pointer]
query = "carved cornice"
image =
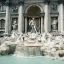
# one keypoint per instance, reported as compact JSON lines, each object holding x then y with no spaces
{"x":54,"y":14}
{"x":52,"y":1}
{"x":21,"y":2}
{"x":38,"y":15}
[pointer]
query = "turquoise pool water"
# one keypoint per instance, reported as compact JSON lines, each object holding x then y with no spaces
{"x":29,"y":60}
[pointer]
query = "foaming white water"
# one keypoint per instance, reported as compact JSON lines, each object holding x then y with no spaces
{"x":34,"y":44}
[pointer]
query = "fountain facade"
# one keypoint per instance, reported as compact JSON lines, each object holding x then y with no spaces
{"x":33,"y":44}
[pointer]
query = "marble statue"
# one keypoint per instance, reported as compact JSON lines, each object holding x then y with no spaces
{"x":54,"y":24}
{"x":33,"y":26}
{"x":14,"y":31}
{"x":14,"y":25}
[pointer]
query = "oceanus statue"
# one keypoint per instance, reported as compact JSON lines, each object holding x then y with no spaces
{"x":33,"y":26}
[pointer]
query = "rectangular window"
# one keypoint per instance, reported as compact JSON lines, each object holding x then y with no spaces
{"x":2,"y":24}
{"x":2,"y":8}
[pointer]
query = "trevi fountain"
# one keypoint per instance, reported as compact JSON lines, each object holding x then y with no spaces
{"x":32,"y":46}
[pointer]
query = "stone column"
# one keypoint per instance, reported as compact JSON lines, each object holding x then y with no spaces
{"x":46,"y":18}
{"x":60,"y":21}
{"x":42,"y":25}
{"x":25,"y":25}
{"x":20,"y":19}
{"x":7,"y":22}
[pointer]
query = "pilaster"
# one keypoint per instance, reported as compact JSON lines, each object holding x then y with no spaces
{"x":60,"y":19}
{"x":25,"y":24}
{"x":7,"y":22}
{"x":42,"y":25}
{"x":46,"y":18}
{"x":20,"y":18}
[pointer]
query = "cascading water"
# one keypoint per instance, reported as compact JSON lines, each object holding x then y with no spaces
{"x":29,"y":47}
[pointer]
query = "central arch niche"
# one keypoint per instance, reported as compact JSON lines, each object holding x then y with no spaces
{"x":33,"y":12}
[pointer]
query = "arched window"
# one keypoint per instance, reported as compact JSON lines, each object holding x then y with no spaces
{"x":2,"y":24}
